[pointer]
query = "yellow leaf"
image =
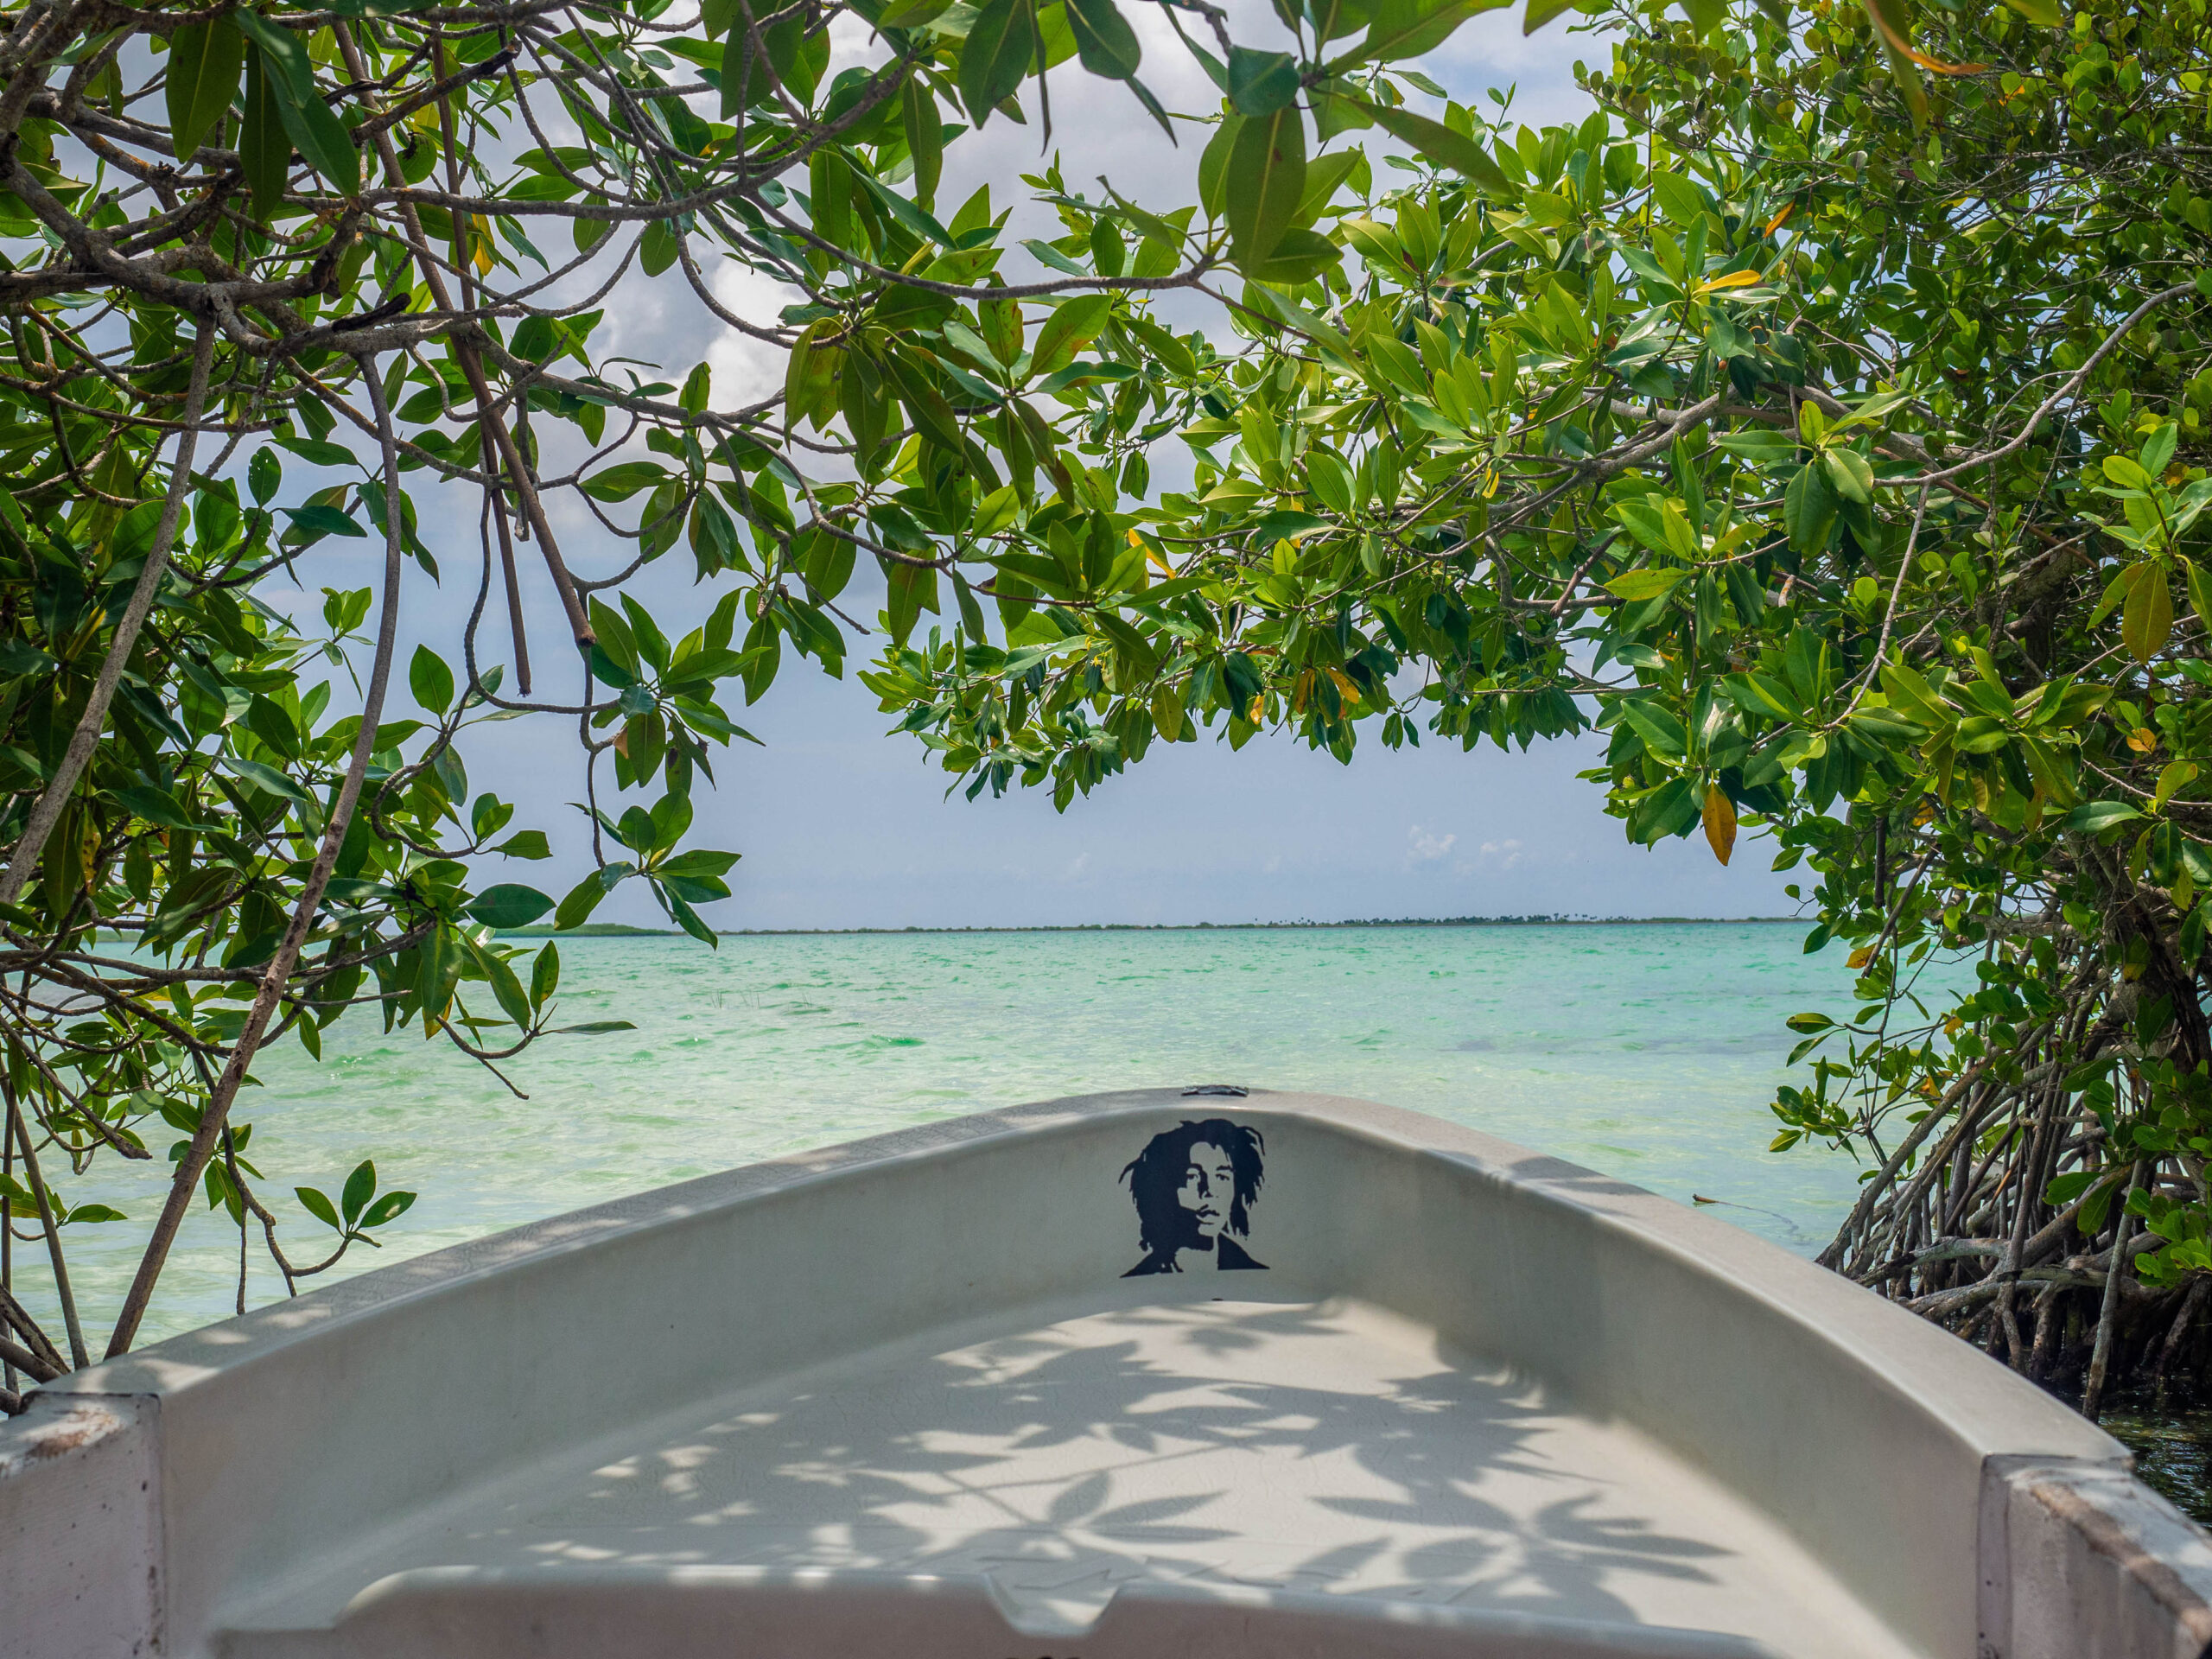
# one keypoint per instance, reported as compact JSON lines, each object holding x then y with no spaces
{"x":1782,"y":218}
{"x":1895,"y":29}
{"x":1861,"y":957}
{"x":1720,"y":822}
{"x":1935,"y":66}
{"x":1152,"y":555}
{"x":2142,"y":739}
{"x":1733,"y":279}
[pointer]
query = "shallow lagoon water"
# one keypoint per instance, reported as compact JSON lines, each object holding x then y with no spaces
{"x":1649,"y":1051}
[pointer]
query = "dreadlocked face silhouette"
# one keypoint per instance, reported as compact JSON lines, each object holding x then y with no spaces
{"x":1193,"y":1186}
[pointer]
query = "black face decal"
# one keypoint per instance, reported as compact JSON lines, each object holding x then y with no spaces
{"x":1194,"y":1185}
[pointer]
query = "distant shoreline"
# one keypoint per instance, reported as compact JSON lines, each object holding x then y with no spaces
{"x":619,"y":930}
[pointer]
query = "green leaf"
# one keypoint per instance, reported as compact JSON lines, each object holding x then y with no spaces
{"x":1260,"y":83}
{"x":1402,"y":29}
{"x":319,"y":452}
{"x":1264,"y":182}
{"x":505,"y":987}
{"x":1047,"y":254}
{"x":1000,"y":44}
{"x":1850,"y":473}
{"x":544,"y":975}
{"x":1440,"y":144}
{"x":157,"y":806}
{"x":925,"y":138}
{"x":932,"y":414}
{"x":322,"y":519}
{"x":1761,"y":445}
{"x":583,"y":898}
{"x":690,"y":920}
{"x":264,"y":148}
{"x":430,"y":680}
{"x":1103,"y":39}
{"x":318,"y":1205}
{"x":2045,"y":12}
{"x":360,"y":1187}
{"x":700,"y":862}
{"x":1659,"y":729}
{"x":315,"y":132}
{"x":509,"y":905}
{"x":1072,"y":326}
{"x":620,"y":483}
{"x":1636,"y":585}
{"x":593,"y":1028}
{"x":17,"y":657}
{"x":913,"y":589}
{"x":2127,"y":473}
{"x":1299,"y":256}
{"x":269,"y":780}
{"x":390,"y":1207}
{"x":905,"y":212}
{"x":2158,"y":450}
{"x":528,"y":843}
{"x":2094,"y":817}
{"x":1679,"y":198}
{"x":204,"y":60}
{"x":2146,"y":617}
{"x":1808,"y":1023}
{"x":2200,"y":591}
{"x":1809,"y":510}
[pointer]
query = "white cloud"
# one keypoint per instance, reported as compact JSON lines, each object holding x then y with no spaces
{"x":1424,"y":846}
{"x":1502,"y":854}
{"x":747,"y":370}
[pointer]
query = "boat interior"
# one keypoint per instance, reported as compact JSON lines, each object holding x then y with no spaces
{"x":1362,"y":1383}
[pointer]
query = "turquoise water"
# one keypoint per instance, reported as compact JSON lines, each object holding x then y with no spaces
{"x":1647,"y":1052}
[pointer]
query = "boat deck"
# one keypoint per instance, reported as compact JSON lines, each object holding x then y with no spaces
{"x":1222,"y":1444}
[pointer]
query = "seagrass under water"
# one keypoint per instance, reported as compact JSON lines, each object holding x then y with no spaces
{"x":1648,"y":1051}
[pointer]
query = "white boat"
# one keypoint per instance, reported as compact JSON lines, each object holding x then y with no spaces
{"x":1265,"y":1376}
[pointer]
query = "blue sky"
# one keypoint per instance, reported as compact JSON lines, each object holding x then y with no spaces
{"x":842,"y":826}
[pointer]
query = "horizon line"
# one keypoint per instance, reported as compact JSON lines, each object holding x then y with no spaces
{"x":621,"y":929}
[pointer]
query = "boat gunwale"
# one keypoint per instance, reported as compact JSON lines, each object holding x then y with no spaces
{"x":1925,"y":1369}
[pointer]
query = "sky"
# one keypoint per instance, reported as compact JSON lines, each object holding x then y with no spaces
{"x":842,"y":826}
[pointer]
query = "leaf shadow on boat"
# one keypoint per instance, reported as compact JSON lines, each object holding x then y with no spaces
{"x":1314,"y":1446}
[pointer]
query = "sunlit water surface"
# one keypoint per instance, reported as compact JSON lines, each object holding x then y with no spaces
{"x":1647,"y":1052}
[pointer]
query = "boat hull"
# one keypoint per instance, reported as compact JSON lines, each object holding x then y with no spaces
{"x":1127,"y":1374}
